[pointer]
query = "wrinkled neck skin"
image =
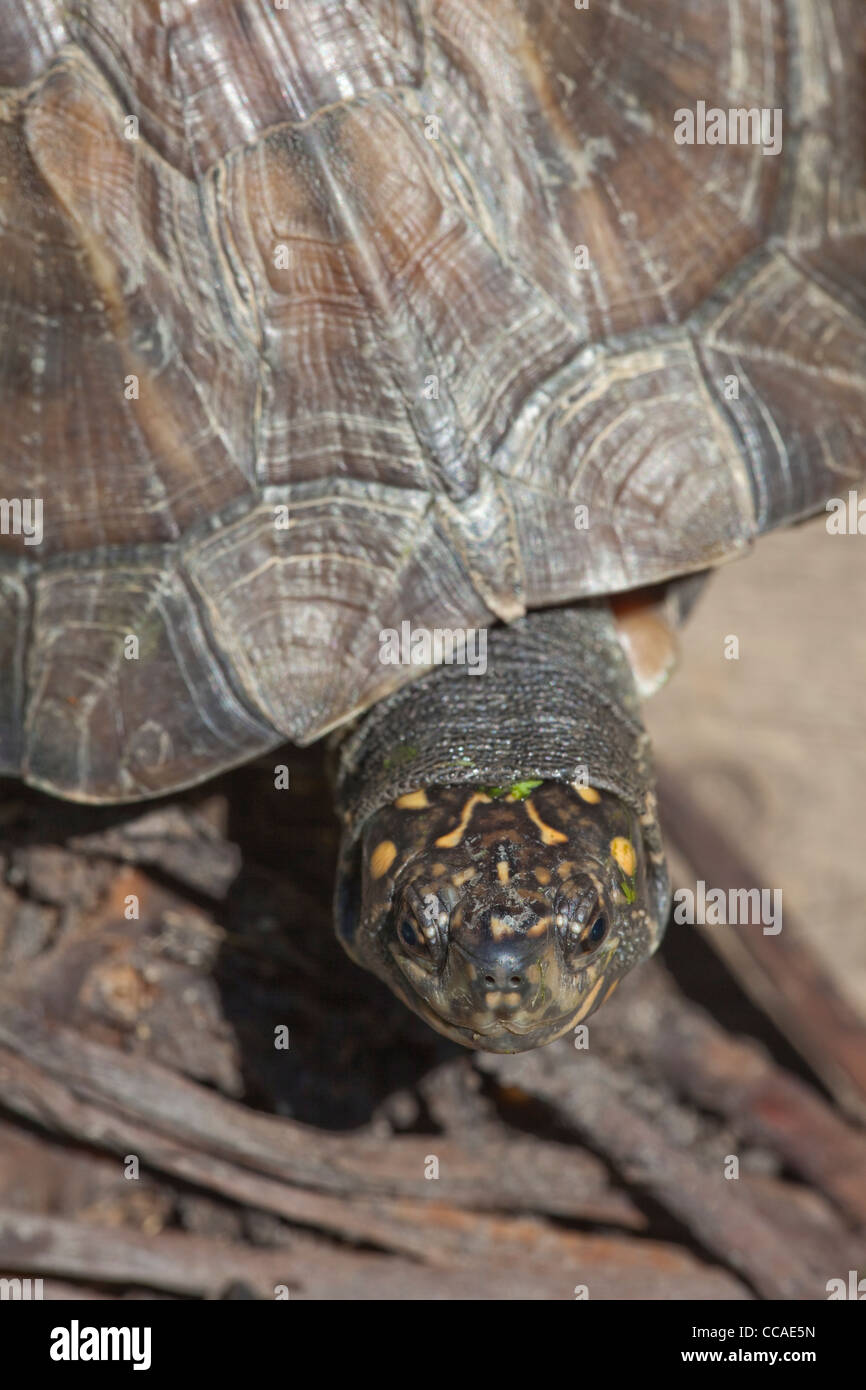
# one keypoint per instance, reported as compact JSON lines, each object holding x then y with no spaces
{"x":505,"y":912}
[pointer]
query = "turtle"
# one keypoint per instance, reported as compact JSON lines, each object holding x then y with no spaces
{"x":394,"y":372}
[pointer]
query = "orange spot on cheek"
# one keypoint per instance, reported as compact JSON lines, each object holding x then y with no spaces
{"x":412,"y":801}
{"x":382,"y":858}
{"x":623,"y":852}
{"x":588,"y":794}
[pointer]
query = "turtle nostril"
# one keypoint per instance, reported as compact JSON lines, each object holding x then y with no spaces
{"x":502,"y":975}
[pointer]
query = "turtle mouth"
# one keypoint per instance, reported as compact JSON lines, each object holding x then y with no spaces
{"x":533,"y":1027}
{"x":550,"y":1027}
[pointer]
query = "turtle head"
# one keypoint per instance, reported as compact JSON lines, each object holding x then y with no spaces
{"x":504,"y":916}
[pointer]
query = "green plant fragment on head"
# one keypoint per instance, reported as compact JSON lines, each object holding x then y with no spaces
{"x":518,"y":791}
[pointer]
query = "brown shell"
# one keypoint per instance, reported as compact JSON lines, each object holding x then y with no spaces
{"x":337,"y":254}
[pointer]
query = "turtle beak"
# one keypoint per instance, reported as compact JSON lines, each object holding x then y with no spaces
{"x":498,"y":956}
{"x":503,"y":977}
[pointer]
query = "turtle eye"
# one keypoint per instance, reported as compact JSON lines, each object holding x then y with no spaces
{"x":583,"y":939}
{"x":408,"y":935}
{"x":583,"y":923}
{"x":593,"y":936}
{"x":423,"y":942}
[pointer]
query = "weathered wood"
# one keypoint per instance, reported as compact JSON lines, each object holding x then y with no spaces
{"x":174,"y":838}
{"x":510,"y":1259}
{"x":178,"y":1127}
{"x":582,"y":1091}
{"x":737,"y":1079}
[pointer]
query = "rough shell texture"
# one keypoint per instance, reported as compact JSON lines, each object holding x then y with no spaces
{"x":339,"y":259}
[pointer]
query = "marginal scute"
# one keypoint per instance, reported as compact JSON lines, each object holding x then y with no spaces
{"x":638,"y":440}
{"x":797,"y":350}
{"x":298,"y":612}
{"x":105,"y":722}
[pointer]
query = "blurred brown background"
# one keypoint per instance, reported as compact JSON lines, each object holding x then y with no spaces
{"x":773,"y":746}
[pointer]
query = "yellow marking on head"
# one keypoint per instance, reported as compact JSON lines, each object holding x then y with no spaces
{"x":512,"y":998}
{"x":463,"y":877}
{"x":493,"y":998}
{"x":502,"y":871}
{"x":412,"y":801}
{"x":623,"y":852}
{"x":453,"y":838}
{"x":540,"y":926}
{"x":565,"y":869}
{"x":611,"y":990}
{"x":499,"y":928}
{"x":439,"y":869}
{"x":382,"y":858}
{"x":588,"y":1001}
{"x":549,"y":836}
{"x":587,"y":794}
{"x":542,"y":874}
